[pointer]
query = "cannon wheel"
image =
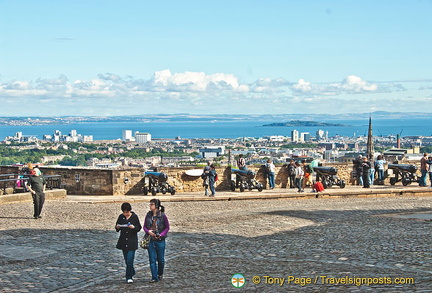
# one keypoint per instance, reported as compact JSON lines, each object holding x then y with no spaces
{"x":393,"y":181}
{"x":260,"y":187}
{"x":242,"y":188}
{"x":233,"y":185}
{"x":163,"y":190}
{"x":145,"y":190}
{"x":406,"y":181}
{"x":153,"y":191}
{"x":172,"y":191}
{"x":250,"y":187}
{"x":327,"y":184}
{"x":342,"y":184}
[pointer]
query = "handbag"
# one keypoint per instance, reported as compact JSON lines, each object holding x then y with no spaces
{"x":145,"y":241}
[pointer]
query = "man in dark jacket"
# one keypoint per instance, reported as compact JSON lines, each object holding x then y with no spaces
{"x":36,"y":185}
{"x":359,"y":169}
{"x":366,"y":171}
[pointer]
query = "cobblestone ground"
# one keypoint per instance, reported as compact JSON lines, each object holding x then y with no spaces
{"x":71,"y":249}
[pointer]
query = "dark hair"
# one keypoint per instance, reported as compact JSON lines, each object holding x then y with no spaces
{"x":158,"y":205}
{"x":379,"y":157}
{"x":126,"y":207}
{"x":297,"y":164}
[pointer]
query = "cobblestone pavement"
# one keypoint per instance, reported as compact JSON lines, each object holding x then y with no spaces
{"x":71,"y":249}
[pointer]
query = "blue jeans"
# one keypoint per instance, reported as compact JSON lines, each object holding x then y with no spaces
{"x":380,"y":174}
{"x":299,"y":183}
{"x":271,"y":179}
{"x":129,"y":256}
{"x":423,"y":178}
{"x":212,"y":188}
{"x":371,"y":176}
{"x":156,"y":252}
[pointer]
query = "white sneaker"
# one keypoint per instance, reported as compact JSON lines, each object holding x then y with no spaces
{"x":130,"y":281}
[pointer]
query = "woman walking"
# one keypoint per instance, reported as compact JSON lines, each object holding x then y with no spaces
{"x":129,"y":225}
{"x":157,"y":226}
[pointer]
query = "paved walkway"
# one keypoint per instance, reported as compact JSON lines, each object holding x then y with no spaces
{"x":321,"y":240}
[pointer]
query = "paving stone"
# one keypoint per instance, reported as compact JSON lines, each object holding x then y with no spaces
{"x":72,"y":248}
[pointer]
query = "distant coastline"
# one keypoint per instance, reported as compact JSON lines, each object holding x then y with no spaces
{"x":294,"y":123}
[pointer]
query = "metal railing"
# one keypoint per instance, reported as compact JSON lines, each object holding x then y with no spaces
{"x":17,"y":182}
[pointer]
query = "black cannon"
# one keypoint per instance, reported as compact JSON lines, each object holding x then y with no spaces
{"x":328,"y":176}
{"x":157,"y":182}
{"x":244,"y":179}
{"x":403,"y":172}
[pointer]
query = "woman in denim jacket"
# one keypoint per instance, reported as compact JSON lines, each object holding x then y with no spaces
{"x":156,"y":224}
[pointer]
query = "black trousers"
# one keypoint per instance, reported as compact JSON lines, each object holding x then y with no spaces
{"x":38,"y":201}
{"x":292,"y":181}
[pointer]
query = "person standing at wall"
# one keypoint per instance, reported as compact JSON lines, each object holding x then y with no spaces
{"x":129,"y":225}
{"x":379,"y":165}
{"x":359,"y":169}
{"x":366,"y":168}
{"x":212,"y":179}
{"x":156,"y":225}
{"x":36,"y":185}
{"x":299,"y":173}
{"x":429,"y":162}
{"x":291,"y":174}
{"x":205,"y":177}
{"x":423,"y":170}
{"x":270,"y":167}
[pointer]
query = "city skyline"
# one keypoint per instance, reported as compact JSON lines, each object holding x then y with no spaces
{"x":250,"y":57}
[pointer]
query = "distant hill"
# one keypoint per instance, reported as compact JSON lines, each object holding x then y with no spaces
{"x":303,"y":123}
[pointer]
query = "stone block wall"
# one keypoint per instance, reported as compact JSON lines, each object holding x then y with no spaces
{"x":87,"y":181}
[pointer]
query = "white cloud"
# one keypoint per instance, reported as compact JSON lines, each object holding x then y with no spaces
{"x":195,"y":91}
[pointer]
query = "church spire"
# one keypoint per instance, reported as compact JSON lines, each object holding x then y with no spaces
{"x":370,"y":144}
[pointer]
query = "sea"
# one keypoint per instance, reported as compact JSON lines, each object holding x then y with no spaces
{"x":225,"y":129}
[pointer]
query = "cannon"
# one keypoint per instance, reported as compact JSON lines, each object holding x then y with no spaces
{"x":244,"y":179}
{"x":328,"y":176}
{"x":155,"y":182}
{"x":403,"y":172}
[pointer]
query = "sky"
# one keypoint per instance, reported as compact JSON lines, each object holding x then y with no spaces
{"x":105,"y":58}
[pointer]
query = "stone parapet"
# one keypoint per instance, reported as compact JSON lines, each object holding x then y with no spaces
{"x":26,"y":196}
{"x":91,"y":181}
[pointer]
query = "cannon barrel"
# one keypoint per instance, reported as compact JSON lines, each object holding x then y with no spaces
{"x":161,"y":176}
{"x":247,"y":173}
{"x":326,"y":170}
{"x":403,"y":167}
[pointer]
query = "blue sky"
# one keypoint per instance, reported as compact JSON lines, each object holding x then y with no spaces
{"x":103,"y":57}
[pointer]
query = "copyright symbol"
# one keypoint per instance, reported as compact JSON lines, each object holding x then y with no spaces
{"x":256,"y":280}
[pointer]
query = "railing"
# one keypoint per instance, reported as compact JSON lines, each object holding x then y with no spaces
{"x":17,"y":182}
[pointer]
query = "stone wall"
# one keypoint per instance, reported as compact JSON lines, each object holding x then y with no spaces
{"x":88,"y":181}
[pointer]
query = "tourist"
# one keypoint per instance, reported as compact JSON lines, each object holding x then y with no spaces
{"x":129,"y":225}
{"x":371,"y":175}
{"x":429,"y":162}
{"x":423,"y":170}
{"x":359,"y":169}
{"x":212,"y":179}
{"x":241,"y":162}
{"x":157,"y":226}
{"x":205,"y":178}
{"x":308,"y":174}
{"x":366,"y":165}
{"x":36,"y":185}
{"x":299,"y":173}
{"x":379,"y":165}
{"x":270,"y":167}
{"x":291,"y":174}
